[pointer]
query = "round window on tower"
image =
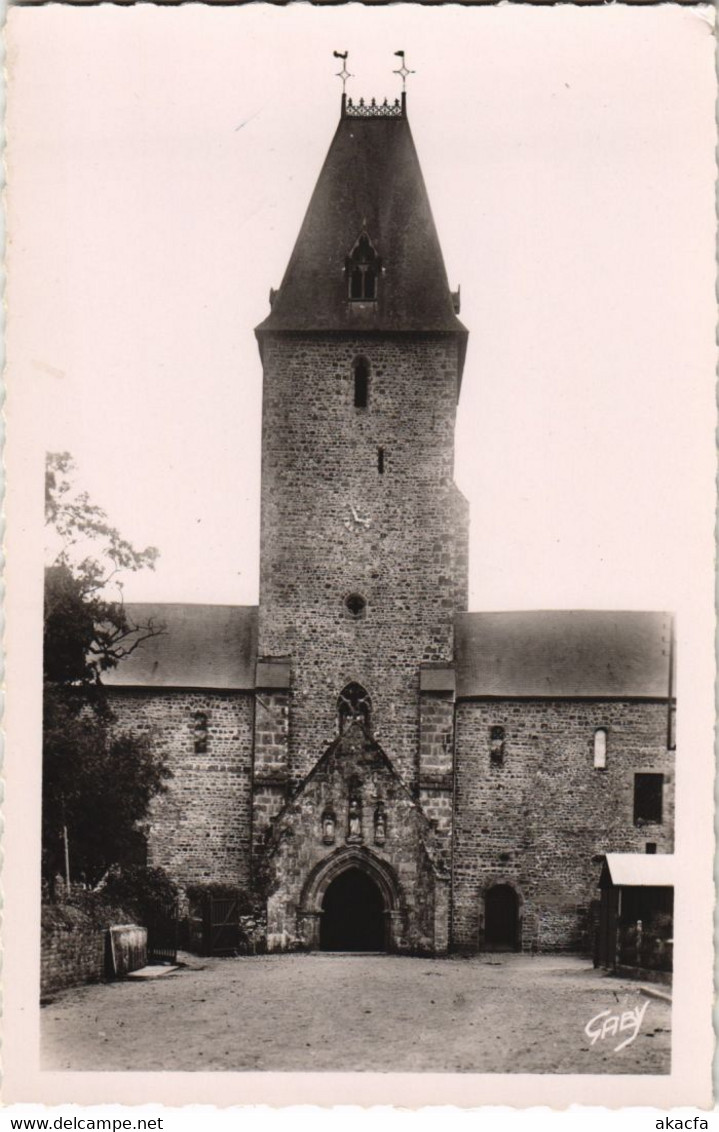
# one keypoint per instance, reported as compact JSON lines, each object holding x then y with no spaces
{"x":356,"y":605}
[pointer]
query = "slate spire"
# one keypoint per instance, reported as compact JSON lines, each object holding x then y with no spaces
{"x":370,"y":200}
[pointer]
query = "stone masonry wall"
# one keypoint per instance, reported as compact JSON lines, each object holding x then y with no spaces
{"x":334,"y":524}
{"x":271,"y":734}
{"x":200,"y":828}
{"x":461,"y":550}
{"x":269,"y":796}
{"x":71,"y":954}
{"x":436,"y":747}
{"x":270,"y":783}
{"x":541,"y":819}
{"x":436,"y":764}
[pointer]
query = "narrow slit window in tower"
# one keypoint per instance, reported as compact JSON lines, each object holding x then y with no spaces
{"x":361,"y":376}
{"x":380,"y":461}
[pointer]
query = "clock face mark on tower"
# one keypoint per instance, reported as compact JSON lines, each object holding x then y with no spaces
{"x":355,"y":521}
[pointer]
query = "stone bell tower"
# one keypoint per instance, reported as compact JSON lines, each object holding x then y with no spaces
{"x":363,"y":532}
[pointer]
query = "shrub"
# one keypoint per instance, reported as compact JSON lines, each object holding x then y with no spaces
{"x":140,"y":889}
{"x":219,"y":890}
{"x":84,"y":908}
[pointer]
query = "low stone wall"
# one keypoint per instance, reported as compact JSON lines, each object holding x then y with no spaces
{"x":71,"y":954}
{"x":644,"y":974}
{"x":73,"y":948}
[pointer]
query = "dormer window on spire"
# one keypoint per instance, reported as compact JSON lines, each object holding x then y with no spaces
{"x":362,"y":268}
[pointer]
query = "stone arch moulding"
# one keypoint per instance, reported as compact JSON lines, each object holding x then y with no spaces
{"x":319,"y":880}
{"x":493,"y":882}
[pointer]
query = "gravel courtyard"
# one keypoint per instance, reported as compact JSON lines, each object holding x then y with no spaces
{"x":371,"y":1013}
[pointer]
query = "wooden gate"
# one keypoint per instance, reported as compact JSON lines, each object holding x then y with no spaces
{"x":221,"y":934}
{"x":162,"y":924}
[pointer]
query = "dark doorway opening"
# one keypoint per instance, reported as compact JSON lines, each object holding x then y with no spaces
{"x":352,"y":914}
{"x":501,"y":918}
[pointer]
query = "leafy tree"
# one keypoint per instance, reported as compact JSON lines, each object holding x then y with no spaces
{"x":98,"y":780}
{"x":86,"y":632}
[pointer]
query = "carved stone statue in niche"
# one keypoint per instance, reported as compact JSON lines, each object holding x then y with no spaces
{"x":380,"y":824}
{"x":354,"y":821}
{"x":329,"y":826}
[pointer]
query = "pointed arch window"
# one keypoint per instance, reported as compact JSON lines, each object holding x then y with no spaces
{"x":362,"y":268}
{"x":354,"y":704}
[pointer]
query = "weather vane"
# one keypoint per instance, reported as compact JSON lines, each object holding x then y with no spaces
{"x":403,"y":71}
{"x":344,"y":74}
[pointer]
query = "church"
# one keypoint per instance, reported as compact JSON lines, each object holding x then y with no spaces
{"x":389,"y":771}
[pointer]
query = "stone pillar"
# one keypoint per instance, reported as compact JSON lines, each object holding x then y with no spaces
{"x":308,"y":929}
{"x":271,"y":750}
{"x":441,"y":915}
{"x":436,"y":752}
{"x":394,"y":930}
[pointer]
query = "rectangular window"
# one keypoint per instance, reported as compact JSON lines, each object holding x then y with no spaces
{"x":648,"y":790}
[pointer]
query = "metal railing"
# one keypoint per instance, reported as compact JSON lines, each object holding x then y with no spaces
{"x":373,"y":109}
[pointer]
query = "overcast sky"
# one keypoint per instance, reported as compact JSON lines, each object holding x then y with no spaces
{"x":160,"y":164}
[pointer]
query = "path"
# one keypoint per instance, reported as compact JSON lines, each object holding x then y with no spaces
{"x":488,"y":1014}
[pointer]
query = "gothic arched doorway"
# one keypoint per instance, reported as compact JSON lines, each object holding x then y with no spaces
{"x":353,"y":914}
{"x":381,"y":901}
{"x":501,"y":918}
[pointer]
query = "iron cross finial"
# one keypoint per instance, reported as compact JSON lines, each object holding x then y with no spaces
{"x":403,"y":71}
{"x":344,"y":74}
